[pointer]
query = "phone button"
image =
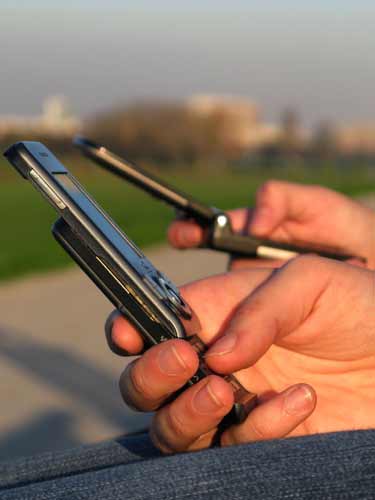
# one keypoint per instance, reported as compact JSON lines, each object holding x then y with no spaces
{"x":51,"y":195}
{"x":170,"y":294}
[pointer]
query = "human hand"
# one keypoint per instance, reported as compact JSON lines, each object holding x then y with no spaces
{"x":294,"y":325}
{"x":288,"y":212}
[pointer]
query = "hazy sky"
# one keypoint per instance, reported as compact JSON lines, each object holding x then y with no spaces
{"x":318,"y":57}
{"x":190,"y":5}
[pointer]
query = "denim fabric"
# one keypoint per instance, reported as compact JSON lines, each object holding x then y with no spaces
{"x":49,"y":466}
{"x":338,"y":466}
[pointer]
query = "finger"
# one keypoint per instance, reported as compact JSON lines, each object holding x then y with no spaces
{"x":274,"y":310}
{"x":108,"y":335}
{"x":190,"y":421}
{"x":162,"y":370}
{"x":275,"y":418}
{"x":240,"y":219}
{"x":277,"y":201}
{"x":185,"y":234}
{"x":215,"y":299}
{"x":357,"y":262}
{"x":122,"y":338}
{"x":236,"y":263}
{"x":188,"y":234}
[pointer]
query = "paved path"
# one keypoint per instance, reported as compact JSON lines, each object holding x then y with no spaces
{"x":58,"y":384}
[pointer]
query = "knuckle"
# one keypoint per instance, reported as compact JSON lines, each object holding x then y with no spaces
{"x":269,"y":185}
{"x":251,"y":430}
{"x":160,"y":442}
{"x":268,"y":188}
{"x":125,"y":390}
{"x":139,"y":382}
{"x":131,"y":389}
{"x":168,"y":432}
{"x":175,"y":424}
{"x":257,"y":432}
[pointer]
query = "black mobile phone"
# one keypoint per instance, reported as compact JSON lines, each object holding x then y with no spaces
{"x":145,"y":296}
{"x":219,"y":233}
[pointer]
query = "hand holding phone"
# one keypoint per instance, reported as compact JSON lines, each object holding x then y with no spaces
{"x":218,"y":231}
{"x":145,"y":296}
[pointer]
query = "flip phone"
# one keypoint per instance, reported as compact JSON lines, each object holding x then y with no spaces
{"x":219,"y":234}
{"x":144,"y":295}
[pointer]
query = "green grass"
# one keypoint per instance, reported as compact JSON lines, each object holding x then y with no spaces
{"x":26,"y":242}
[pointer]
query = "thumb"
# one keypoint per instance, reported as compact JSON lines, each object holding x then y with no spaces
{"x":275,"y":309}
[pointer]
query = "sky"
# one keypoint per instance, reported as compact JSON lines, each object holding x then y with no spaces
{"x":317,"y":58}
{"x":190,"y":5}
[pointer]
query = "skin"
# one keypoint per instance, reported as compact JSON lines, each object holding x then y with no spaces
{"x":290,"y":212}
{"x":290,"y":334}
{"x":317,"y":334}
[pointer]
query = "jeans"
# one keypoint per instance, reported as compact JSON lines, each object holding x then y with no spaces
{"x":328,"y":466}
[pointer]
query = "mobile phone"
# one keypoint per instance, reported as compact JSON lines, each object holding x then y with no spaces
{"x":144,"y":295}
{"x":219,"y":234}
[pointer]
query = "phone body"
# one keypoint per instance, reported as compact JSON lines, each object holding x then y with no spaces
{"x":219,"y":234}
{"x":144,"y":295}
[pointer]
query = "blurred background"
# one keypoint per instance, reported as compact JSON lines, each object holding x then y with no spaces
{"x":215,"y":97}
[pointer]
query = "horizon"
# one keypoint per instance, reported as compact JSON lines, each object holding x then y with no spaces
{"x":316,"y":60}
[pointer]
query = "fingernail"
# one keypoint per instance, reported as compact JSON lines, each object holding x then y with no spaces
{"x":298,"y":400}
{"x":225,"y":345}
{"x":357,"y":262}
{"x":170,"y":362}
{"x":206,"y":401}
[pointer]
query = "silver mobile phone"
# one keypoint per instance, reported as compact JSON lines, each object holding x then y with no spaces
{"x":145,"y":296}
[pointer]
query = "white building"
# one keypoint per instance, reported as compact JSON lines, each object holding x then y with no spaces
{"x":244,"y":128}
{"x":56,"y":120}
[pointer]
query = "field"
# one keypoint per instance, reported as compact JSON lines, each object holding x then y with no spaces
{"x":27,"y":245}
